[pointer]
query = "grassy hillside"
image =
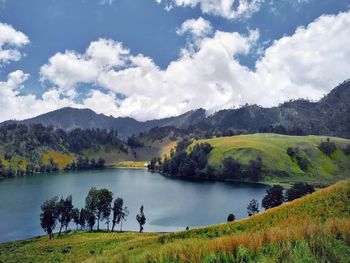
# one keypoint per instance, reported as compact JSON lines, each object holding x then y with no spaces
{"x":315,"y":228}
{"x":278,"y":166}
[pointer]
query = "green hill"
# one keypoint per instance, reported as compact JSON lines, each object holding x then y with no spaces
{"x":314,"y":228}
{"x":278,"y":166}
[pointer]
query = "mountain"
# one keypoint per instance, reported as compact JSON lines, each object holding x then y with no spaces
{"x":71,"y":118}
{"x":329,"y":116}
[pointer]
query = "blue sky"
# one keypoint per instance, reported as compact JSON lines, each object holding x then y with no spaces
{"x":161,"y":60}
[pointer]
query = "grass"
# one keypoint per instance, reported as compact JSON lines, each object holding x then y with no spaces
{"x":131,"y":164}
{"x":277,"y":164}
{"x":315,"y":228}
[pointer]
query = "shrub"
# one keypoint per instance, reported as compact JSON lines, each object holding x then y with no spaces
{"x":327,"y":147}
{"x":274,"y":197}
{"x":298,"y":190}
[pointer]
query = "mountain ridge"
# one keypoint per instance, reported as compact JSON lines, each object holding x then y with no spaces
{"x":328,"y":116}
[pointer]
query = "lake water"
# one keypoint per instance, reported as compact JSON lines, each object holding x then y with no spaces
{"x":169,"y":204}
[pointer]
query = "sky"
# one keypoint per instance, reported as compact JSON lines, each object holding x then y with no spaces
{"x":150,"y":59}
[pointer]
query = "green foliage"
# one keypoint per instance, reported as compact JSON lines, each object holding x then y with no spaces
{"x":253,"y":207}
{"x":49,"y":215}
{"x":327,"y":147}
{"x":64,"y":212}
{"x":134,"y":142}
{"x":231,"y":168}
{"x":231,"y":218}
{"x":75,"y":216}
{"x":186,"y":164}
{"x":98,"y":204}
{"x":298,"y":190}
{"x":141,"y":219}
{"x":274,"y":197}
{"x":119,"y":213}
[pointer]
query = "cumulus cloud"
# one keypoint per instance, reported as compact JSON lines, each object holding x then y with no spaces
{"x":230,"y":9}
{"x":197,"y":27}
{"x":11,"y":41}
{"x":211,"y":76}
{"x":306,"y":64}
{"x":13,"y":105}
{"x":67,"y":69}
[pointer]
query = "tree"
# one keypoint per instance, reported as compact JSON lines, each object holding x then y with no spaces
{"x":98,"y":203}
{"x":119,"y":213}
{"x":273,"y":197}
{"x":298,"y":190}
{"x":100,"y":163}
{"x":91,"y":207}
{"x":152,"y":164}
{"x":104,"y":201}
{"x":231,"y":218}
{"x":253,"y":207}
{"x":48,"y":216}
{"x":83,"y":216}
{"x":255,"y":169}
{"x":231,"y":168}
{"x":141,"y":219}
{"x":90,"y":219}
{"x":75,"y":216}
{"x":64,"y":210}
{"x":327,"y":147}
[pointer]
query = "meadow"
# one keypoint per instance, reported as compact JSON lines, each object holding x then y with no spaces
{"x":278,"y":166}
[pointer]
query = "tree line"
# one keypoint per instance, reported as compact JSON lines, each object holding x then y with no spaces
{"x":23,"y":146}
{"x":275,"y":196}
{"x":99,"y":207}
{"x":195,"y":164}
{"x":82,"y":163}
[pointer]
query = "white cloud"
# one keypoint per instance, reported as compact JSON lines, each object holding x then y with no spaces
{"x":223,"y":8}
{"x":306,"y":64}
{"x":309,"y":63}
{"x":13,"y":105}
{"x":197,"y":27}
{"x":10,"y":41}
{"x":65,"y":70}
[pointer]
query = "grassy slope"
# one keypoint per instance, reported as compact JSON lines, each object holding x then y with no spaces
{"x":315,"y":228}
{"x":272,"y":148}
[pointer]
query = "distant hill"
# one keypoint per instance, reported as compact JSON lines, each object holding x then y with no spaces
{"x":314,"y":228}
{"x":71,"y":118}
{"x":308,"y":163}
{"x":329,"y":116}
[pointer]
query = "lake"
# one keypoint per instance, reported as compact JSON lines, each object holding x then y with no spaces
{"x":169,"y":204}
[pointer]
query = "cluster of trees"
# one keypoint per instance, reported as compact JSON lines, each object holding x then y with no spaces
{"x":299,"y":157}
{"x":275,"y":196}
{"x":99,"y":207}
{"x":195,"y":164}
{"x":51,"y":166}
{"x":134,"y":142}
{"x":327,"y":147}
{"x":86,"y":164}
{"x":28,"y":142}
{"x":186,"y":164}
{"x":20,"y":139}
